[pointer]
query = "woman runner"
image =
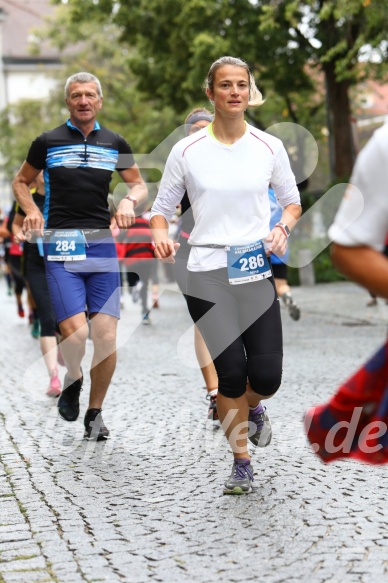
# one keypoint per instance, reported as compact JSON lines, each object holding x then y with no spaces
{"x":226,"y":169}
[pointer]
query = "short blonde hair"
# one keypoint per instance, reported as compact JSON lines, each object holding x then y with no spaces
{"x":255,"y":96}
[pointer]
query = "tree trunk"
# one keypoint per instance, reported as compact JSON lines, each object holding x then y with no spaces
{"x":340,"y":127}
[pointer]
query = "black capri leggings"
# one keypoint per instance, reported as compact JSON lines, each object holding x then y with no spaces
{"x":241,"y":325}
{"x":15,"y":262}
{"x":36,"y":277}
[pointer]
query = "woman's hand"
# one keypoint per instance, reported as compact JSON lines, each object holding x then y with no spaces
{"x":276,"y":242}
{"x":166,"y":250}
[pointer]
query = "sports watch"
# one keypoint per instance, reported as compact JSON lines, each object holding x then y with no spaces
{"x":284,"y":228}
{"x":132,"y":199}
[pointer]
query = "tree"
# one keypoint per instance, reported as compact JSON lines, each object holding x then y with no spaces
{"x":87,"y":46}
{"x":20,"y":123}
{"x":282,"y":40}
{"x":340,"y":32}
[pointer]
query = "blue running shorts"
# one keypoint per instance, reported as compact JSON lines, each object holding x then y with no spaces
{"x":92,"y":284}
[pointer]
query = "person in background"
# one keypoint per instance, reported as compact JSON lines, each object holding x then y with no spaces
{"x":35,"y":274}
{"x":279,"y":265}
{"x":196,"y":120}
{"x":14,"y":258}
{"x":5,"y":235}
{"x":138,"y":259}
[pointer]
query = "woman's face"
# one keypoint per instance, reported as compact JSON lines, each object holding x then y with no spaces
{"x":231,"y":90}
{"x":198,"y":125}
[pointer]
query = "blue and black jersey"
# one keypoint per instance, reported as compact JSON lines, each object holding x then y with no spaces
{"x":77,"y":173}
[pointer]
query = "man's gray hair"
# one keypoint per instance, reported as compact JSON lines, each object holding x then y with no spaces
{"x":83,"y":77}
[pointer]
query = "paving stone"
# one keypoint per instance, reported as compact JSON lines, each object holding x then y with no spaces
{"x":24,"y":576}
{"x":147,"y":506}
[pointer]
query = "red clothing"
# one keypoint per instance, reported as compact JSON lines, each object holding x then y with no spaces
{"x":354,"y":421}
{"x":138,"y":243}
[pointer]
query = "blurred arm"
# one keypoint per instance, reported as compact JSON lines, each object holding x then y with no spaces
{"x":363,"y":265}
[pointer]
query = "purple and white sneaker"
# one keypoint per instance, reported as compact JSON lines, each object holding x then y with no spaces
{"x":241,"y":478}
{"x":260,"y":430}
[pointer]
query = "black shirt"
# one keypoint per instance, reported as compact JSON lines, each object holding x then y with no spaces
{"x":77,"y":173}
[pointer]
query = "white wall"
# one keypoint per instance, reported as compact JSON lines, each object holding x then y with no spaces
{"x":27,"y":85}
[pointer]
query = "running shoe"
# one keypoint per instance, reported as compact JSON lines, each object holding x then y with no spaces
{"x":293,"y":309}
{"x":241,"y":478}
{"x":21,"y":310}
{"x":95,"y":429}
{"x":212,"y":414}
{"x":35,"y":328}
{"x":146,"y":321}
{"x":260,"y":430}
{"x":68,"y":402}
{"x":54,"y":389}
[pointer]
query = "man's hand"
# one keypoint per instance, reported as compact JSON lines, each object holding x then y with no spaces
{"x":33,"y":221}
{"x":166,"y":250}
{"x":125,"y":214}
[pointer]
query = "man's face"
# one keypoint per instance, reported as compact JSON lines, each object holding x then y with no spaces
{"x":83,"y":102}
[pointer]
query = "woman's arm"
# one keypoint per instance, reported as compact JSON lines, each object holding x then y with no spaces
{"x":165,"y":248}
{"x":277,"y":238}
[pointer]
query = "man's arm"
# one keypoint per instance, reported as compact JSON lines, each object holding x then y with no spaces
{"x":34,"y":218}
{"x":125,"y":214}
{"x":364,"y":265}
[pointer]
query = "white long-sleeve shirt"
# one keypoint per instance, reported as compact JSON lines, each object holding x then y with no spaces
{"x":227,"y":186}
{"x":368,"y":201}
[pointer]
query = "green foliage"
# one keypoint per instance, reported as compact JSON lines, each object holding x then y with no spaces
{"x":286,"y":43}
{"x":324,"y":270}
{"x":152,"y":57}
{"x":20,"y":124}
{"x":125,"y":110}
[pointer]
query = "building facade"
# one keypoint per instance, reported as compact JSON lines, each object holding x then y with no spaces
{"x":24,"y":73}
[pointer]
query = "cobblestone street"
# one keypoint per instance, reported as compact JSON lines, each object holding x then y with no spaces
{"x":147,"y":505}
